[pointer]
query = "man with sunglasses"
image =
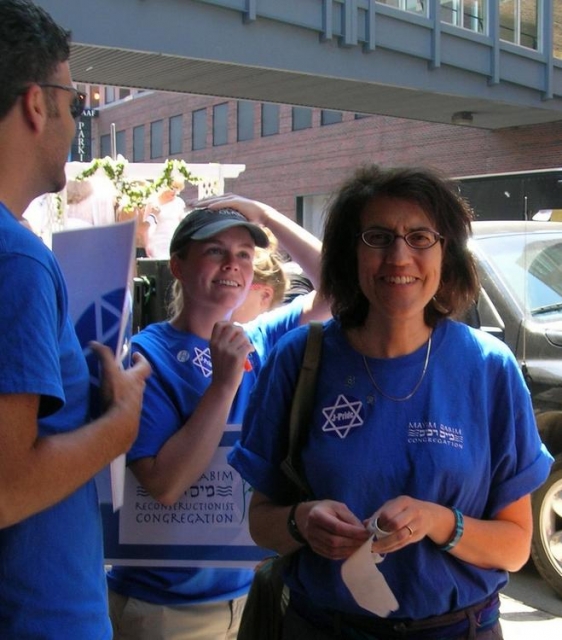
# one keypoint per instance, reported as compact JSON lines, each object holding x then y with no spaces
{"x":52,"y":582}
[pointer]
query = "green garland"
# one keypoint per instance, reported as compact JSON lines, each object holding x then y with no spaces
{"x":132,"y":194}
{"x":171,"y":169}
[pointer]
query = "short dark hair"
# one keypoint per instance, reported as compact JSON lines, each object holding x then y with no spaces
{"x":32,"y":45}
{"x":440,"y":199}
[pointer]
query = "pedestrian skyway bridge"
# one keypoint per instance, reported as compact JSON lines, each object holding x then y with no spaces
{"x":484,"y":63}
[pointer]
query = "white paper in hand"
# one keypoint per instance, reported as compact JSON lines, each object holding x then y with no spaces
{"x":117,"y":468}
{"x":366,"y":583}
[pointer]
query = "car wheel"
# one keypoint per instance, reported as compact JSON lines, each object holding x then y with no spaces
{"x":546,"y":548}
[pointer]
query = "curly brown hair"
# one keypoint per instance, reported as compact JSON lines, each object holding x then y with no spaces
{"x":451,"y":215}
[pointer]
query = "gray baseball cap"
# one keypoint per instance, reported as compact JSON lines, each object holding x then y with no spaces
{"x":202,"y":224}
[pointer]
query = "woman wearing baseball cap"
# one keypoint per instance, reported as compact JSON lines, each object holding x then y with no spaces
{"x":204,"y":367}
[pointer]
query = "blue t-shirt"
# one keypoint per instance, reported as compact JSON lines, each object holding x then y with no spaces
{"x":51,"y":564}
{"x":181,"y":372}
{"x":466,"y":438}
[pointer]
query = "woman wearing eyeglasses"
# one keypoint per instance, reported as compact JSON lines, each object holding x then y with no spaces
{"x":422,"y":449}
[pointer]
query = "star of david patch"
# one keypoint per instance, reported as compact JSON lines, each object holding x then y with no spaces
{"x":202,"y":361}
{"x":342,"y":416}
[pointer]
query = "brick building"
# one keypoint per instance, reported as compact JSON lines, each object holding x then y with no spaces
{"x":295,"y":156}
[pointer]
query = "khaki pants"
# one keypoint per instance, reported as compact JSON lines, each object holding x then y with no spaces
{"x":134,"y":619}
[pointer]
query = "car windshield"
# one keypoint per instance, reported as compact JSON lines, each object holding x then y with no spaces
{"x":530,"y":266}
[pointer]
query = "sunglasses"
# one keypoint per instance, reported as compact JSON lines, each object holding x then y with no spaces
{"x":78,"y":103}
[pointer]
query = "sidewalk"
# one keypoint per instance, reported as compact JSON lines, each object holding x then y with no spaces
{"x":521,"y":622}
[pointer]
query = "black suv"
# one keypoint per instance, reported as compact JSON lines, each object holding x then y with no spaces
{"x":520,"y":266}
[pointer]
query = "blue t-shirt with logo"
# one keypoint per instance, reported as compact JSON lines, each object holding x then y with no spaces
{"x":466,"y":438}
{"x":181,"y":372}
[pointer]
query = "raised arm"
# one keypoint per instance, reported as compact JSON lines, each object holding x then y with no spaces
{"x":302,"y":245}
{"x":184,"y":456}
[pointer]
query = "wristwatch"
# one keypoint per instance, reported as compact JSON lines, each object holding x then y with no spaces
{"x":292,"y":526}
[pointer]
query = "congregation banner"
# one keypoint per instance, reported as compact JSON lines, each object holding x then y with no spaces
{"x":207,"y":526}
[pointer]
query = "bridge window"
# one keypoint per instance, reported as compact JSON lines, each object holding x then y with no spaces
{"x":519,"y":22}
{"x":220,"y":124}
{"x":138,"y":143}
{"x":302,"y":118}
{"x":199,"y":129}
{"x":175,"y":134}
{"x":245,"y":110}
{"x":519,"y":19}
{"x":468,"y":14}
{"x":415,"y":6}
{"x":269,"y":119}
{"x":156,"y":139}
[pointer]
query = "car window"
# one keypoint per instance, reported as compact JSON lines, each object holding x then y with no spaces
{"x":530,"y":266}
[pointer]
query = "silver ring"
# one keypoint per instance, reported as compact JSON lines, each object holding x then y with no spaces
{"x":410,"y":530}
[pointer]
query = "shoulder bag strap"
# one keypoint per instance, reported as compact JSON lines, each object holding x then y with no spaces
{"x":301,"y":408}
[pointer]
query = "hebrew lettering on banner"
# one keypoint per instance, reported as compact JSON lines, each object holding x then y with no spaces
{"x":206,"y":527}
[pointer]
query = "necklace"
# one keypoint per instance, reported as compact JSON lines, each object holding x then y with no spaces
{"x":402,"y":399}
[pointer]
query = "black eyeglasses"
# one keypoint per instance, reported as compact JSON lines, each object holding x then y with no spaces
{"x":383,"y":238}
{"x":79,"y":101}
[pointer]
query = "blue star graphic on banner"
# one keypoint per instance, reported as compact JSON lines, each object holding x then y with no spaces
{"x":101,"y":321}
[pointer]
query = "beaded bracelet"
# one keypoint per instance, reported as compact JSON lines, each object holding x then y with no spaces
{"x":457,"y":533}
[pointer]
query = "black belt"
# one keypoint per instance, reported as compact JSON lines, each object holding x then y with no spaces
{"x":479,"y":616}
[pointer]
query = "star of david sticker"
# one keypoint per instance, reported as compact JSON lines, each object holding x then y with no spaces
{"x":342,"y":416}
{"x":202,"y":361}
